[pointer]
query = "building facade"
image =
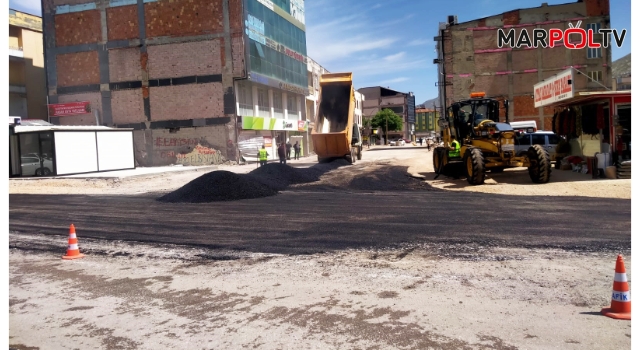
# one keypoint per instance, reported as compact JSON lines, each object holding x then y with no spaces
{"x":469,"y":59}
{"x":314,"y":71}
{"x":27,"y":86}
{"x":200,"y":82}
{"x":427,"y":122}
{"x":403,"y":104}
{"x":357,"y":113}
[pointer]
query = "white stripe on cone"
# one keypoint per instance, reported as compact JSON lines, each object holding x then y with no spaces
{"x":621,"y":296}
{"x":620,"y":277}
{"x":73,"y":247}
{"x":72,"y":235}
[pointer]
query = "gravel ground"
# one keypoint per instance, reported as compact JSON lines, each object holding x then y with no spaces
{"x":417,"y":296}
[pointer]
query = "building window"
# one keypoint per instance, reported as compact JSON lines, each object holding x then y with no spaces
{"x":593,"y":26}
{"x":594,"y":53}
{"x":277,"y":105}
{"x":595,"y":75}
{"x":263,"y":103}
{"x":292,"y":107}
{"x":245,"y":101}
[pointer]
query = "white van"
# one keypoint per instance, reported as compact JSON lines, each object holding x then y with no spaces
{"x":525,"y":126}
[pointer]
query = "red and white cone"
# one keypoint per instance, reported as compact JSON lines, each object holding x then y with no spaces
{"x":620,"y":298}
{"x":73,"y":252}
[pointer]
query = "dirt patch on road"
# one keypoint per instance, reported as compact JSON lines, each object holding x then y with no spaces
{"x":516,"y":181}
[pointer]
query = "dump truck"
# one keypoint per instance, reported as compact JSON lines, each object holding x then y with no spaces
{"x":335,"y":135}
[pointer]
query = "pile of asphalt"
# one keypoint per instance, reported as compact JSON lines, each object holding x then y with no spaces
{"x":280,"y":176}
{"x":264,"y":181}
{"x":216,"y":186}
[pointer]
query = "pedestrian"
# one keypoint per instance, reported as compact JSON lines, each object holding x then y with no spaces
{"x":282,"y":153}
{"x":289,"y":150}
{"x":296,"y":149}
{"x":421,"y":141}
{"x":429,"y":144}
{"x":263,"y":156}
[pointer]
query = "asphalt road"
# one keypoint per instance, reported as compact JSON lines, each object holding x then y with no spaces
{"x":296,"y":222}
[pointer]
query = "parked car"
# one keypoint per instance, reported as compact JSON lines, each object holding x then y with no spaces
{"x":546,"y":139}
{"x":397,"y":142}
{"x":31,"y":166}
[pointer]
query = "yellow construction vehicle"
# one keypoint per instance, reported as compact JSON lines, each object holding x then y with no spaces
{"x":485,"y":143}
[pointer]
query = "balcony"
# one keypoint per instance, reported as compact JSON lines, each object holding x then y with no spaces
{"x":16,"y":52}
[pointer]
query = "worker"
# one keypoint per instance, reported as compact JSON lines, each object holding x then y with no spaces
{"x":282,"y":153}
{"x":454,"y":150}
{"x":263,"y":155}
{"x":296,"y":149}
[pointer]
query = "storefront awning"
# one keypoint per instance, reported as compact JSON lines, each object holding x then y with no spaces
{"x":586,"y":96}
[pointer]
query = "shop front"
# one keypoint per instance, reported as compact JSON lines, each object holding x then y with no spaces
{"x":594,"y":124}
{"x":257,"y":131}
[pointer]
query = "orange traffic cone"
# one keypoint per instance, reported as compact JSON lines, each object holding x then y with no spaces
{"x":73,"y":252}
{"x":620,"y":298}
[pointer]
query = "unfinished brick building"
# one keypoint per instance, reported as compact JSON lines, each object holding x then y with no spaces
{"x":470,"y":60}
{"x":166,"y":68}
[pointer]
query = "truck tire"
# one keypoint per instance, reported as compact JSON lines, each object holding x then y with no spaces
{"x":474,"y":164}
{"x":539,"y":164}
{"x":359,"y":152}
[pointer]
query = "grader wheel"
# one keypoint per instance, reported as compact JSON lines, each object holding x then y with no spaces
{"x":474,"y":164}
{"x":540,"y":166}
{"x":439,"y":160}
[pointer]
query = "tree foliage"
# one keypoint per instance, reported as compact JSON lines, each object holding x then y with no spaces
{"x":385,"y":116}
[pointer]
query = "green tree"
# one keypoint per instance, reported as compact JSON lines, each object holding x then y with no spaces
{"x":386,"y":118}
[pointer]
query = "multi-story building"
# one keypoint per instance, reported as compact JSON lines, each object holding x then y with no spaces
{"x":426,"y":122}
{"x":198,"y":80}
{"x":469,"y":59}
{"x":314,"y":71}
{"x":357,"y":114}
{"x":403,"y":104}
{"x":27,"y":86}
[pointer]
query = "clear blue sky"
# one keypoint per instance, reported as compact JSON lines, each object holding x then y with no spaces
{"x":390,"y":42}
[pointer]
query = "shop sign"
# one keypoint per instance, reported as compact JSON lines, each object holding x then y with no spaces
{"x":554,"y":89}
{"x":293,"y":88}
{"x":268,"y":141}
{"x":302,"y":125}
{"x":260,"y":123}
{"x":259,"y":78}
{"x":71,"y":108}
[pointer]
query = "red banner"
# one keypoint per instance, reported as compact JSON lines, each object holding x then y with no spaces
{"x":268,"y":141}
{"x":301,"y":125}
{"x":71,"y":108}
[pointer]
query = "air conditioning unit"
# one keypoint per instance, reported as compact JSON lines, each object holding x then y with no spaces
{"x":436,"y":61}
{"x":452,"y":20}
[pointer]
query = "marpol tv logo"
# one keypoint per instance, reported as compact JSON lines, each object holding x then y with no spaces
{"x":573,"y":37}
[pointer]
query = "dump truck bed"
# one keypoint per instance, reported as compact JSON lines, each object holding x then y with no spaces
{"x":332,"y":133}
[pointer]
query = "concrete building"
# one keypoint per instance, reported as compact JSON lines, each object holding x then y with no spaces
{"x":427,"y":122}
{"x":469,"y":59}
{"x":403,"y":104}
{"x":314,"y":71}
{"x":27,"y":86}
{"x":197,"y":80}
{"x":357,"y":114}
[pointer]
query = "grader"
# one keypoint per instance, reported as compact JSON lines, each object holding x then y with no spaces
{"x":485,"y":142}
